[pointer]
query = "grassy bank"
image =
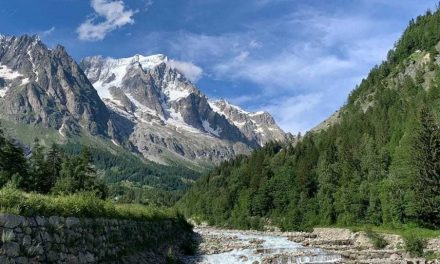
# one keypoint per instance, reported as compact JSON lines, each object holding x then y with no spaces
{"x":82,"y":205}
{"x":404,"y":230}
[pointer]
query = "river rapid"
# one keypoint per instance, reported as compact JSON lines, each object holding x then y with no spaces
{"x":252,"y":247}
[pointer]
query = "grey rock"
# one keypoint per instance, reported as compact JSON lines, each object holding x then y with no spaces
{"x":41,"y":221}
{"x":72,"y":221}
{"x":52,"y":256}
{"x":10,"y":221}
{"x":22,"y":260}
{"x":12,"y":249}
{"x":27,"y":241}
{"x":54,"y":220}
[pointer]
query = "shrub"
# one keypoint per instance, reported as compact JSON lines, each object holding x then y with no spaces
{"x":7,"y":236}
{"x":378,"y":241}
{"x":414,"y":245}
{"x":171,"y":257}
{"x":431,"y":255}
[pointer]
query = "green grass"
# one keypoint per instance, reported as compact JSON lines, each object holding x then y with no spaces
{"x":430,"y":255}
{"x":27,"y":133}
{"x":408,"y":230}
{"x":414,"y":245}
{"x":378,"y":241}
{"x":404,"y":230}
{"x":82,"y":205}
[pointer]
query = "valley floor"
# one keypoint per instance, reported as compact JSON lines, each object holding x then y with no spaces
{"x":323,"y":245}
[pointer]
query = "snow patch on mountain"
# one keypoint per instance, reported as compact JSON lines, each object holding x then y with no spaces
{"x":25,"y":81}
{"x":112,"y":71}
{"x":3,"y":91}
{"x":175,"y":93}
{"x":258,"y":126}
{"x":8,"y":74}
{"x":210,"y":130}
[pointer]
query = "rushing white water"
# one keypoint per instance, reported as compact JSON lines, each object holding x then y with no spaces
{"x":252,"y":247}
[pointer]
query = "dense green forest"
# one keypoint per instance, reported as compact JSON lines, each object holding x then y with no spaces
{"x":133,"y":180}
{"x":378,"y":164}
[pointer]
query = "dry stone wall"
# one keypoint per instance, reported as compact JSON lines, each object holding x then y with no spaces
{"x":73,"y":240}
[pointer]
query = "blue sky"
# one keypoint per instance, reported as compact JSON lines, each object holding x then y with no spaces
{"x":296,"y":59}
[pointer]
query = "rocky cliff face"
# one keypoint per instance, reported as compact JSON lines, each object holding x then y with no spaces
{"x":170,"y":115}
{"x":256,"y":126}
{"x":43,"y":86}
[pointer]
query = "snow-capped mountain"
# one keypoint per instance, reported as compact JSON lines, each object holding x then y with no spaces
{"x":170,"y":114}
{"x":256,"y":126}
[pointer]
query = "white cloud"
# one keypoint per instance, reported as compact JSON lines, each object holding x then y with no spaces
{"x":263,"y":3}
{"x":255,"y":44}
{"x":334,"y":47}
{"x":147,"y":4}
{"x":191,"y":71}
{"x":295,"y":114}
{"x":47,"y":32}
{"x":204,"y":47}
{"x":113,"y":12}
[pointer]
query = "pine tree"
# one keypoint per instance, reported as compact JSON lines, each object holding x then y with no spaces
{"x":328,"y":178}
{"x":13,"y":164}
{"x":78,"y":174}
{"x":427,"y":159}
{"x":2,"y":137}
{"x":87,"y":173}
{"x":398,"y":198}
{"x":66,"y":183}
{"x":40,"y":174}
{"x":54,"y":160}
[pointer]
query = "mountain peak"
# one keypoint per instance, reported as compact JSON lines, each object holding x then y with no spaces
{"x":259,"y":126}
{"x":35,"y":81}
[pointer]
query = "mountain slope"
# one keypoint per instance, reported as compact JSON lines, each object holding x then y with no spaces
{"x":373,"y":162}
{"x":43,"y":86}
{"x":256,"y":126}
{"x":171,"y":118}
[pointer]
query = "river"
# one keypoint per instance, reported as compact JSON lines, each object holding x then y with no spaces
{"x":251,"y":247}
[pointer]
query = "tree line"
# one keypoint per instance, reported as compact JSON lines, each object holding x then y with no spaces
{"x":48,"y":170}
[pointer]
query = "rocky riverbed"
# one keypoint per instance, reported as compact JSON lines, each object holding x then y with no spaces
{"x":233,"y":246}
{"x":323,"y":245}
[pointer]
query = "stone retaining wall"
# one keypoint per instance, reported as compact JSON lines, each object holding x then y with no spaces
{"x":73,"y":240}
